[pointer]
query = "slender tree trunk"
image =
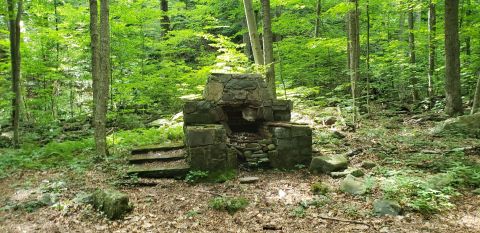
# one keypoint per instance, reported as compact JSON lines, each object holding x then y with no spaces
{"x":354,"y":54}
{"x":368,"y":56}
{"x":318,"y":19}
{"x":268,"y":48}
{"x":468,"y":14}
{"x":105,"y":71}
{"x":165,"y":22}
{"x":476,"y":99}
{"x":253,"y":32}
{"x":246,"y":41}
{"x":14,"y":26}
{"x":452,"y":60}
{"x":100,"y":72}
{"x":432,"y":32}
{"x":411,"y":45}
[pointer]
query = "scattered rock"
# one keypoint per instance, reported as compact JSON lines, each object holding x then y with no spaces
{"x":386,"y":207}
{"x":368,"y":164}
{"x":329,"y":120}
{"x":337,"y":134}
{"x":83,"y":198}
{"x":441,"y":180}
{"x":271,"y":147}
{"x":476,"y":191}
{"x":468,"y":125}
{"x":114,"y":204}
{"x":178,"y":117}
{"x":328,"y":163}
{"x":159,"y":122}
{"x":350,"y":171}
{"x":353,"y":185}
{"x":354,"y":152}
{"x":248,"y":180}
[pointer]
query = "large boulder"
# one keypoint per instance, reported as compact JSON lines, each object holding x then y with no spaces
{"x":328,"y":163}
{"x":468,"y":125}
{"x":114,"y":204}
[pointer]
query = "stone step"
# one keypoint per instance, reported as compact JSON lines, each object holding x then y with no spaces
{"x":156,"y":148}
{"x":171,"y":155}
{"x":174,"y":169}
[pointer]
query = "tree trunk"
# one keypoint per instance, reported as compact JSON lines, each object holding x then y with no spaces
{"x":165,"y":22}
{"x":452,"y":60}
{"x":476,"y":99}
{"x":100,"y":41}
{"x":253,"y":32}
{"x":14,"y":26}
{"x":354,"y":54}
{"x":468,"y":14}
{"x":368,"y":56}
{"x":268,"y":48}
{"x":318,"y":19}
{"x":246,"y":41}
{"x":411,"y":46}
{"x":432,"y":32}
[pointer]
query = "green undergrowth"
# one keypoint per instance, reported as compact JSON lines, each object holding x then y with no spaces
{"x":229,"y":204}
{"x":74,"y":155}
{"x":127,"y":139}
{"x":196,"y":176}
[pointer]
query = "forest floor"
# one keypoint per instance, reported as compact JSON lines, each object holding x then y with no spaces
{"x":399,"y":143}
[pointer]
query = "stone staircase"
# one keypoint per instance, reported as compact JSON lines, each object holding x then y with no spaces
{"x":159,"y":162}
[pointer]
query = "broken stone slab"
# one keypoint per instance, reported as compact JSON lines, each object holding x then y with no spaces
{"x":353,"y":185}
{"x":271,"y":147}
{"x":386,"y":207}
{"x":467,"y":125}
{"x":114,"y":204}
{"x":328,"y":163}
{"x":248,"y":180}
{"x":350,"y":171}
{"x":160,"y":171}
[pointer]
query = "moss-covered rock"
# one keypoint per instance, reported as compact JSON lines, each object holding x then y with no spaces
{"x":327,"y":164}
{"x":468,"y":125}
{"x":114,"y":204}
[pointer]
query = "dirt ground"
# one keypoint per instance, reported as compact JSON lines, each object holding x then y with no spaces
{"x":169,"y":205}
{"x":175,"y":206}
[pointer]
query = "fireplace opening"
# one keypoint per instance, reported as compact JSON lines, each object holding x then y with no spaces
{"x":242,"y":120}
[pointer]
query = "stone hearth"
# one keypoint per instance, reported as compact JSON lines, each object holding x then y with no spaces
{"x":238,"y":123}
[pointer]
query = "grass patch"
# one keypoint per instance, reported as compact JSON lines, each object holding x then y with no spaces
{"x":128,"y":139}
{"x":229,"y":204}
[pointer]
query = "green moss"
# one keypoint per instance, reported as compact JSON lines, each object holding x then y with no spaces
{"x":319,"y":188}
{"x":112,"y":203}
{"x":229,"y":204}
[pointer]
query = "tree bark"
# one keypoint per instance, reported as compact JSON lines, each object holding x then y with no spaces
{"x":318,"y":19}
{"x":165,"y":22}
{"x":452,"y":60}
{"x":253,"y":32}
{"x":368,"y":56}
{"x":14,"y":26}
{"x":268,"y":48}
{"x":476,"y":99}
{"x":411,"y":45}
{"x":468,"y":14}
{"x":100,"y":45}
{"x":354,"y":54}
{"x":246,"y":41}
{"x":432,"y":33}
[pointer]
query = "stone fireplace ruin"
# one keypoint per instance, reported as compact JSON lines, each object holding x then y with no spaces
{"x":237,"y":123}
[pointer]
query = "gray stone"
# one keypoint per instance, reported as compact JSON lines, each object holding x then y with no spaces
{"x":368,"y":164}
{"x":337,"y":134}
{"x":204,"y":135}
{"x":327,"y":164}
{"x":248,"y":153}
{"x":114,"y":204}
{"x":329,"y":120}
{"x":467,"y":125}
{"x":253,"y":146}
{"x":350,"y":171}
{"x":248,"y":180}
{"x":353,"y":185}
{"x":271,"y":147}
{"x":476,"y":191}
{"x":386,"y":207}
